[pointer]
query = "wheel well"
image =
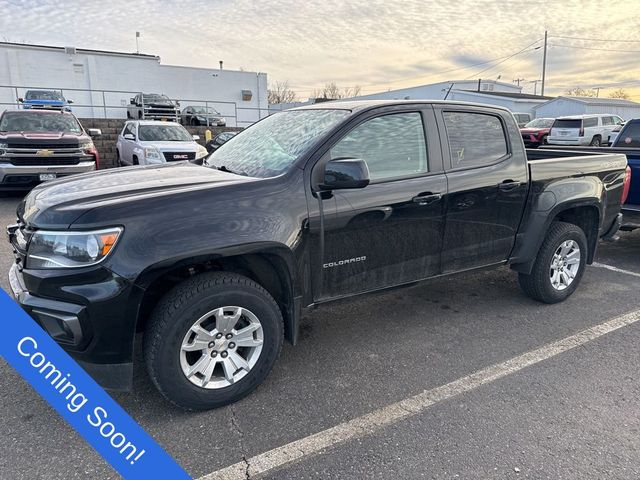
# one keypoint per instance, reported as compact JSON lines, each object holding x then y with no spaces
{"x":268,"y":270}
{"x":588,"y":219}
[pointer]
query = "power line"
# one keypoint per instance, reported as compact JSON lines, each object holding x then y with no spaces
{"x":507,"y":58}
{"x":595,"y":39}
{"x":308,"y":88}
{"x":592,"y":48}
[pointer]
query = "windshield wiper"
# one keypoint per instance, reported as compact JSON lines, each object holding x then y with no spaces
{"x":223,"y":168}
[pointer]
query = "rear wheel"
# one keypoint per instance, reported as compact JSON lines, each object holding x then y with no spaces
{"x":559,"y":266}
{"x":212,"y":340}
{"x":596,"y":141}
{"x":544,"y":141}
{"x":118,"y":159}
{"x":135,"y":160}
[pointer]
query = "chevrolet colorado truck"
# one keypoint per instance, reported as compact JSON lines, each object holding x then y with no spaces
{"x":40,"y":145}
{"x":215,"y":264}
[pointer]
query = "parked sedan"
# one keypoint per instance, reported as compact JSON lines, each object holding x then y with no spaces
{"x":147,"y":142}
{"x":536,"y":131}
{"x":202,"y":116}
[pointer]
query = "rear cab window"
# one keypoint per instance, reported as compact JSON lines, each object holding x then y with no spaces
{"x":475,"y":139}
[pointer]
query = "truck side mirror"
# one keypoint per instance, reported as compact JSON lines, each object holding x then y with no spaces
{"x":129,"y":136}
{"x":132,"y":101}
{"x":94,"y":132}
{"x":69,"y":101}
{"x":345,"y":173}
{"x":21,"y":99}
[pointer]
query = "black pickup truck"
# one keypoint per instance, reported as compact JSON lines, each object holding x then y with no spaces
{"x":215,"y":264}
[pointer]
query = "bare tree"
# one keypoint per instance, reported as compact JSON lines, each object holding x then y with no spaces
{"x":331,"y":91}
{"x":581,"y":92}
{"x":620,"y":93}
{"x":280,"y":92}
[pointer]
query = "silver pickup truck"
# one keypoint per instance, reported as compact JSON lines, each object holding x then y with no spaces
{"x":41,"y":145}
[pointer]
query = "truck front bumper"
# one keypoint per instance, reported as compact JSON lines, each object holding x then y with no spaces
{"x":28,"y":176}
{"x":93,"y":317}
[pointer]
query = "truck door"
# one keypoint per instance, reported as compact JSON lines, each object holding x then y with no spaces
{"x":389,"y":232}
{"x":487,"y":175}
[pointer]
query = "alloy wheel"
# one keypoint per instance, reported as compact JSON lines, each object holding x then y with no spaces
{"x":221,"y":347}
{"x":565,"y":264}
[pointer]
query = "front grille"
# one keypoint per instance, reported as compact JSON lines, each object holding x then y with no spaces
{"x":44,"y":161}
{"x":42,"y":146}
{"x":181,"y":156}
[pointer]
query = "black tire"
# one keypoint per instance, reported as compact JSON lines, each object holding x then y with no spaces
{"x":139,"y":115}
{"x":118,"y":159}
{"x":537,"y":285}
{"x":544,"y":141}
{"x":135,"y":160}
{"x":177,"y":312}
{"x":129,"y":115}
{"x":596,"y":141}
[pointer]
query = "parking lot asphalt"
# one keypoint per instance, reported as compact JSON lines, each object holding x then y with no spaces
{"x":573,"y":415}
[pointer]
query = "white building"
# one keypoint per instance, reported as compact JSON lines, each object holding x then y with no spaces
{"x":562,"y":106}
{"x":101,"y":83}
{"x":490,"y":92}
{"x":437,"y":91}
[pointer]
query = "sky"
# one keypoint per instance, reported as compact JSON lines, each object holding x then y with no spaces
{"x":374,"y":44}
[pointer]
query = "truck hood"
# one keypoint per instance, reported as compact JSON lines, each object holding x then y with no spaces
{"x":188,"y":146}
{"x":25,"y":137}
{"x":59,"y":203}
{"x":534,"y":130}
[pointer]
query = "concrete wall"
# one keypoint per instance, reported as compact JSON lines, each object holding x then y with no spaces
{"x":125,"y":75}
{"x":111,"y":128}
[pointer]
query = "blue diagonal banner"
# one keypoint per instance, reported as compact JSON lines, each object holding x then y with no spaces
{"x":80,"y":400}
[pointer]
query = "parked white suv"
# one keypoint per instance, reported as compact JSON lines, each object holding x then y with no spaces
{"x":146,"y":142}
{"x":593,"y":130}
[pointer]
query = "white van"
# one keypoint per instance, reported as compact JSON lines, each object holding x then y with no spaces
{"x":593,"y":130}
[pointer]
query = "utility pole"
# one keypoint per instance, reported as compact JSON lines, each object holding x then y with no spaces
{"x":535,"y":86}
{"x":544,"y":62}
{"x":137,"y":44}
{"x":597,"y":89}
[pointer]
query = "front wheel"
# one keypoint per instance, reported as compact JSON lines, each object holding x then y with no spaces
{"x":212,"y":340}
{"x":559,"y":266}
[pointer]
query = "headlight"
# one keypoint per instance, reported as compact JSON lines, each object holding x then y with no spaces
{"x":87,"y":147}
{"x":151,"y":154}
{"x":201,"y":152}
{"x":66,"y":249}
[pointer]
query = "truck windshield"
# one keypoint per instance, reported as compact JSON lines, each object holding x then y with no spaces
{"x":272,"y":145}
{"x":163,"y":133}
{"x":39,"y":122}
{"x":43,"y":95}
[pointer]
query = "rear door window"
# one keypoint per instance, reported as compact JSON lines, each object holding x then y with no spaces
{"x":475,"y":139}
{"x":590,"y":122}
{"x":607,"y":120}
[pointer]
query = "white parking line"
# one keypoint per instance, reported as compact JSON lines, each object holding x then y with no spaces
{"x":378,"y":419}
{"x":615,"y":269}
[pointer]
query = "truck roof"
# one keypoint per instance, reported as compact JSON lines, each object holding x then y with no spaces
{"x":356,"y":105}
{"x":39,"y":111}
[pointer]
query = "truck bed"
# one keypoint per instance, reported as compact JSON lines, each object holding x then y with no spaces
{"x":631,"y":208}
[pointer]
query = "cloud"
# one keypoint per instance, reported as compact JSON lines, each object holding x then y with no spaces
{"x":373,"y":43}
